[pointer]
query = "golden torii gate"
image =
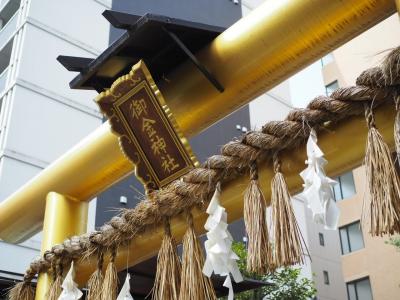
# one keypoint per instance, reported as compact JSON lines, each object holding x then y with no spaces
{"x":256,"y":53}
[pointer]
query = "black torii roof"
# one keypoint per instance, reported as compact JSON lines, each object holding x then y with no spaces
{"x":162,"y":42}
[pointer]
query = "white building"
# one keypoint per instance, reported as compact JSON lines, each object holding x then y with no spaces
{"x":41,"y":117}
{"x":38,"y":107}
{"x":338,"y":273}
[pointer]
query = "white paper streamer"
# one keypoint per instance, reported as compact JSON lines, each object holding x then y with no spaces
{"x":125,"y":293}
{"x":70,"y":288}
{"x":220,"y":258}
{"x":318,"y":193}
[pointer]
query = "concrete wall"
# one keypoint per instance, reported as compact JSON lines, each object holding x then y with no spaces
{"x":379,"y":261}
{"x":326,"y":258}
{"x":41,"y":117}
{"x":305,"y":86}
{"x":350,"y":60}
{"x":367,"y":50}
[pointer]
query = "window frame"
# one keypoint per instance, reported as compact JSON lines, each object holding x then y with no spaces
{"x":326,"y":277}
{"x":355,"y":286}
{"x":330,"y":84}
{"x":321,"y":239}
{"x":348,"y":236}
{"x":340,"y":186}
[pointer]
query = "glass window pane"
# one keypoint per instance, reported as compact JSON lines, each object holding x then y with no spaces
{"x":326,"y":277}
{"x":364,"y":290}
{"x":351,"y":291}
{"x":355,"y":236}
{"x":347,"y":183}
{"x":330,"y":88}
{"x":337,"y":191}
{"x":344,"y":241}
{"x":321,"y":239}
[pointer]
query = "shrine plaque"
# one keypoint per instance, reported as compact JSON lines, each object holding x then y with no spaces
{"x":148,"y":133}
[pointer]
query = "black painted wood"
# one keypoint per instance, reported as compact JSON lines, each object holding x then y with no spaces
{"x":145,"y":39}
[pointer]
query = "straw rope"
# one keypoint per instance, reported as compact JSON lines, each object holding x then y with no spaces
{"x":374,"y":86}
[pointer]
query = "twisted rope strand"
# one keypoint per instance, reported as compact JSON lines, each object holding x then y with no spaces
{"x":374,"y":86}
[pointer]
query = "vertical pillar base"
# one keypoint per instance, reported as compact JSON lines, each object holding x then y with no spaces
{"x":63,"y":218}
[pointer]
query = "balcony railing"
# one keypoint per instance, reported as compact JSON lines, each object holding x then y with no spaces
{"x":3,"y":80}
{"x":3,"y":3}
{"x":8,"y":30}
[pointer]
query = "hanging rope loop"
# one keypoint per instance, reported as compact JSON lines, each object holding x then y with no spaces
{"x":276,"y":163}
{"x":275,"y":136}
{"x":253,"y":170}
{"x":369,"y":116}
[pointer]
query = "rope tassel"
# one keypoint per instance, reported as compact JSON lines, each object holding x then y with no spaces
{"x":22,"y":291}
{"x":287,"y":234}
{"x":194,"y":284}
{"x":168,"y":275}
{"x":55,"y":288}
{"x":110,"y":285}
{"x":95,"y":282}
{"x":259,"y":257}
{"x":397,"y":128}
{"x":383,"y":183}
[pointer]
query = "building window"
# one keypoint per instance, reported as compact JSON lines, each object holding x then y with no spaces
{"x":351,"y":238}
{"x":5,"y":55}
{"x":321,"y":239}
{"x":345,"y":187}
{"x":359,"y":290}
{"x":326,"y":277}
{"x":330,"y":88}
{"x":8,"y":11}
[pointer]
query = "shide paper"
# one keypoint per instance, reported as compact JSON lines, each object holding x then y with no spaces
{"x":220,"y":258}
{"x":70,"y":288}
{"x":318,"y":193}
{"x":125,"y":293}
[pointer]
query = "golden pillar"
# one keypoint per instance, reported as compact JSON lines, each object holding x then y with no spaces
{"x":259,"y":51}
{"x":344,"y":148}
{"x":64,"y":217}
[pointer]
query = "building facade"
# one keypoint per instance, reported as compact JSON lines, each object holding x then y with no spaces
{"x":347,"y":263}
{"x":41,"y":117}
{"x":370,"y":267}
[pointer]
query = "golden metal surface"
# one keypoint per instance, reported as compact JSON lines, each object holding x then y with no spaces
{"x":266,"y":47}
{"x":85,"y":170}
{"x":258,"y":52}
{"x":344,"y":148}
{"x":63,"y":218}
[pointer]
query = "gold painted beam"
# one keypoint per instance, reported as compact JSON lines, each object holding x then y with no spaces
{"x":344,"y":148}
{"x":64,"y":217}
{"x":255,"y":54}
